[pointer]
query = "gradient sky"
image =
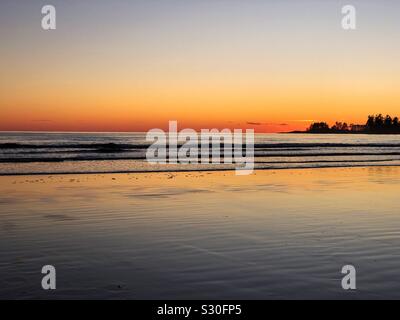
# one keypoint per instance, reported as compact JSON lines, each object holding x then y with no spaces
{"x":133,"y":65}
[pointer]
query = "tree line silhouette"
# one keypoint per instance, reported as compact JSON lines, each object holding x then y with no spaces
{"x":376,"y":124}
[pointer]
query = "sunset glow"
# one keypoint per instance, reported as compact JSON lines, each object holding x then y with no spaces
{"x":134,"y":66}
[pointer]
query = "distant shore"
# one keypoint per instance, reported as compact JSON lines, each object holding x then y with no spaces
{"x":350,"y":132}
{"x":376,"y":124}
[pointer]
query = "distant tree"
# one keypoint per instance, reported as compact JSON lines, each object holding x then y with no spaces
{"x":387,"y":123}
{"x":336,"y":127}
{"x":340,"y":127}
{"x":396,"y":123}
{"x":319,"y":127}
{"x":379,"y":122}
{"x":375,"y":124}
{"x":370,"y":125}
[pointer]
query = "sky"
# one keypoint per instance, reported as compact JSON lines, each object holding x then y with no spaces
{"x":134,"y":65}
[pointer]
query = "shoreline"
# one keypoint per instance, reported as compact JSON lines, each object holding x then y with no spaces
{"x":193,"y":171}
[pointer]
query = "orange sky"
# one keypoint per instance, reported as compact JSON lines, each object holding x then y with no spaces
{"x":271,"y":67}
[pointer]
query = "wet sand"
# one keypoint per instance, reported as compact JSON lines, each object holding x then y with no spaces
{"x":202,"y":235}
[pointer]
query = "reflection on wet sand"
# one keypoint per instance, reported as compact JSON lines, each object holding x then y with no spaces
{"x":274,"y":234}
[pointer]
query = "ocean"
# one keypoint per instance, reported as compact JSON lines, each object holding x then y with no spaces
{"x":193,"y":234}
{"x":59,"y":152}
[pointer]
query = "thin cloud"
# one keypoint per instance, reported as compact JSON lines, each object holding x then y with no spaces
{"x":266,"y":124}
{"x":302,"y":120}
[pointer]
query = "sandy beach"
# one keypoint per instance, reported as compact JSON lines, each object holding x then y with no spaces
{"x":202,"y":235}
{"x":206,"y":150}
